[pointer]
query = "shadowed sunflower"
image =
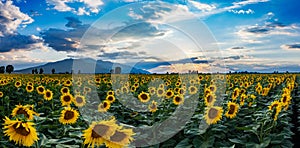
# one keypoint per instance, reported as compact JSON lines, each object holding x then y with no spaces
{"x":18,"y":84}
{"x":79,"y":100}
{"x":152,"y":90}
{"x":65,"y":90}
{"x":213,"y":114}
{"x":232,"y":109}
{"x":193,"y":90}
{"x":274,"y":105}
{"x":124,"y":90}
{"x":144,"y":97}
{"x":285,"y":99}
{"x":99,"y":132}
{"x":210,"y":99}
{"x":1,"y":94}
{"x":121,"y":138}
{"x":66,"y":99}
{"x":40,"y":90}
{"x":181,"y":91}
{"x":48,"y":95}
{"x":22,"y":110}
{"x":110,"y":98}
{"x":169,"y":94}
{"x":29,"y":88}
{"x":104,"y":106}
{"x":235,"y":94}
{"x":153,"y":107}
{"x":178,"y":99}
{"x":22,"y":133}
{"x":160,"y":92}
{"x":212,"y":88}
{"x":68,"y":116}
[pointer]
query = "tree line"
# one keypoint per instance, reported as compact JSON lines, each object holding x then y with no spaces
{"x":8,"y":69}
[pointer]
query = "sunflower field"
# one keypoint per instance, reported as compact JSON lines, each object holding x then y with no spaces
{"x":115,"y":111}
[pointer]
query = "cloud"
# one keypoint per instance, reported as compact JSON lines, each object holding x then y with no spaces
{"x":295,"y":46}
{"x":238,"y":47}
{"x":17,"y":42}
{"x":11,"y":18}
{"x":249,"y":11}
{"x":201,"y":6}
{"x":90,"y":6}
{"x":65,"y":40}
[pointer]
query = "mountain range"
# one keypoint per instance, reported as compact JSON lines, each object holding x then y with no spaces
{"x":86,"y":65}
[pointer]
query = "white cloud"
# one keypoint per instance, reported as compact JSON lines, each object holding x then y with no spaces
{"x":294,"y":46}
{"x":202,"y":6}
{"x":11,"y":18}
{"x":249,"y":11}
{"x":90,"y":6}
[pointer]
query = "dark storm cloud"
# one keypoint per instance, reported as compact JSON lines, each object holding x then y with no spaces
{"x":16,"y":41}
{"x":65,"y":40}
{"x":292,"y":46}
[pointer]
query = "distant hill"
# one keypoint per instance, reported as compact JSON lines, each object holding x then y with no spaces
{"x":86,"y":65}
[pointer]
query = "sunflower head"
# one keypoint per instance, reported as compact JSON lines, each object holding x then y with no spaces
{"x":178,"y":99}
{"x":121,"y":138}
{"x":68,"y":116}
{"x":22,"y":133}
{"x":193,"y":90}
{"x":1,"y":94}
{"x":169,"y":94}
{"x":213,"y":114}
{"x":153,"y":107}
{"x":160,"y":92}
{"x":66,"y":99}
{"x":79,"y":100}
{"x":18,"y":84}
{"x":48,"y":95}
{"x":40,"y":90}
{"x":110,"y":98}
{"x":65,"y":90}
{"x":22,"y":110}
{"x":104,"y":106}
{"x":210,"y":99}
{"x":232,"y":109}
{"x":29,"y":88}
{"x":144,"y":97}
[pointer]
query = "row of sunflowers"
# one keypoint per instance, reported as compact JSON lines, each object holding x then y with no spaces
{"x":195,"y":110}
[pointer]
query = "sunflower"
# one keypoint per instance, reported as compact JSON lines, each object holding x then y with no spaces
{"x":274,"y":105}
{"x":22,"y":110}
{"x":285,"y":99}
{"x":178,"y":99}
{"x":48,"y":95}
{"x":212,"y":88}
{"x":181,"y":91}
{"x":29,"y":88}
{"x":153,"y":107}
{"x":99,"y":132}
{"x":110,"y":92}
{"x":169,"y":94}
{"x":110,"y":98}
{"x":193,"y":90}
{"x":152,"y":90}
{"x":66,"y":99}
{"x":144,"y":97}
{"x":1,"y":94}
{"x":65,"y":90}
{"x":213,"y":114}
{"x":22,"y":133}
{"x":242,"y":99}
{"x":40,"y":90}
{"x":235,"y":94}
{"x":79,"y":100}
{"x":68,"y":83}
{"x":160,"y":92}
{"x":124,"y":89}
{"x":210,"y":99}
{"x":232,"y":109}
{"x":18,"y":84}
{"x":133,"y":89}
{"x":104,"y":106}
{"x":121,"y":138}
{"x":68,"y":116}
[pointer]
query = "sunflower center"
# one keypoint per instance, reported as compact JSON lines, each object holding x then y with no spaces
{"x":160,"y":91}
{"x":169,"y":93}
{"x":99,"y":130}
{"x":144,"y":97}
{"x":22,"y":111}
{"x":231,"y":109}
{"x":212,"y":113}
{"x":79,"y":100}
{"x":67,"y":98}
{"x":21,"y":130}
{"x":193,"y":89}
{"x":29,"y":87}
{"x":104,"y":105}
{"x":209,"y":98}
{"x":273,"y":106}
{"x":18,"y":83}
{"x":65,"y":90}
{"x":212,"y":89}
{"x":284,"y":99}
{"x":118,"y":137}
{"x":68,"y":115}
{"x":48,"y":94}
{"x":177,"y":99}
{"x":41,"y":89}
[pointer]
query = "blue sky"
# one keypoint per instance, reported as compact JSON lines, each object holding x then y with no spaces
{"x":208,"y":36}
